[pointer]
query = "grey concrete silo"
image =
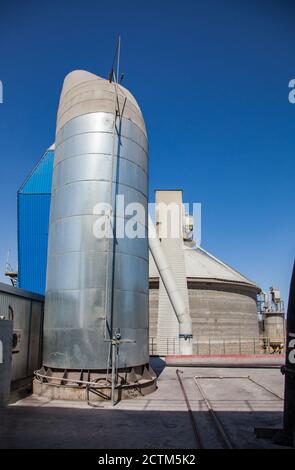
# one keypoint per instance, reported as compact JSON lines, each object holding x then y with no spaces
{"x":222,"y":306}
{"x":274,"y":329}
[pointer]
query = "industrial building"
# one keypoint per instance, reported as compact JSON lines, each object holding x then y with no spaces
{"x":111,"y":302}
{"x":21,"y":325}
{"x":33,"y":206}
{"x":222,"y":302}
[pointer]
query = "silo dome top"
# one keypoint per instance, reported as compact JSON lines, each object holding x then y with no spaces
{"x":201,"y":265}
{"x":84,"y":92}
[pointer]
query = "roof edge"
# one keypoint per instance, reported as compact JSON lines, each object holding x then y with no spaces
{"x":233,"y":270}
{"x":50,"y":149}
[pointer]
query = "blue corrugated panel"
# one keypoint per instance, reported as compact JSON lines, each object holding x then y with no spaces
{"x":39,"y":180}
{"x":33,"y":201}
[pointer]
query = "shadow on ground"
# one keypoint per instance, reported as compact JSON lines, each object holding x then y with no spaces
{"x":158,"y":364}
{"x":69,"y":428}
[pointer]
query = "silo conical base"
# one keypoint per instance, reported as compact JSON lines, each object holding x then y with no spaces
{"x":94,"y":385}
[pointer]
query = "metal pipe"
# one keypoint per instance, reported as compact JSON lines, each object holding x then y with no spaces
{"x":175,"y":297}
{"x":64,"y":379}
{"x":191,"y":415}
{"x":213,"y":415}
{"x":114,"y":371}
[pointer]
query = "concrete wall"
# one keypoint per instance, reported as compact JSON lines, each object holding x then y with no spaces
{"x":224,"y":318}
{"x":226,"y":315}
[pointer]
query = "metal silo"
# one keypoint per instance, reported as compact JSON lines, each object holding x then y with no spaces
{"x":96,"y":287}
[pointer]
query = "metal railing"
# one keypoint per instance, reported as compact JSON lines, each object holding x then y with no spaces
{"x":164,"y":346}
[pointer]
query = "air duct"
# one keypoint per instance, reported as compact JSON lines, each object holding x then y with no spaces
{"x":175,"y":297}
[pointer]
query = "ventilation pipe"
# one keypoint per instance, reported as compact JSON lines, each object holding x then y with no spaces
{"x":175,"y":297}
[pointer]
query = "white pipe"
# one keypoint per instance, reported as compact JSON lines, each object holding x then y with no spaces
{"x":174,"y":294}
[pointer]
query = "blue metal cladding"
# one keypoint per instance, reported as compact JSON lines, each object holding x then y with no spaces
{"x":33,"y":208}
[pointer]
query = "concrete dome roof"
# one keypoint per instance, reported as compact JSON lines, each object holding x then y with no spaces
{"x":201,"y":265}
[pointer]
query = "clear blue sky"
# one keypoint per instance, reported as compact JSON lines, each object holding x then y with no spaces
{"x":212,"y":79}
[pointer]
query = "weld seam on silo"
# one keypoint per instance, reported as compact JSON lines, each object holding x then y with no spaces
{"x":93,"y":215}
{"x":101,"y":132}
{"x":61,"y":159}
{"x":91,"y":90}
{"x":103,"y":155}
{"x":68,"y":108}
{"x":85,"y":214}
{"x":122,"y":90}
{"x":100,"y":154}
{"x":173,"y":292}
{"x":103,"y":180}
{"x":58,"y":253}
{"x":63,"y":94}
{"x":72,"y":108}
{"x":124,"y":120}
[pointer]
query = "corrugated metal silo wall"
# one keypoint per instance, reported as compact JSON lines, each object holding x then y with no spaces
{"x":96,"y":285}
{"x":33,"y":208}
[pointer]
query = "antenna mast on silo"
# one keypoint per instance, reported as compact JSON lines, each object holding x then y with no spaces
{"x":114,"y":334}
{"x":114,"y":75}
